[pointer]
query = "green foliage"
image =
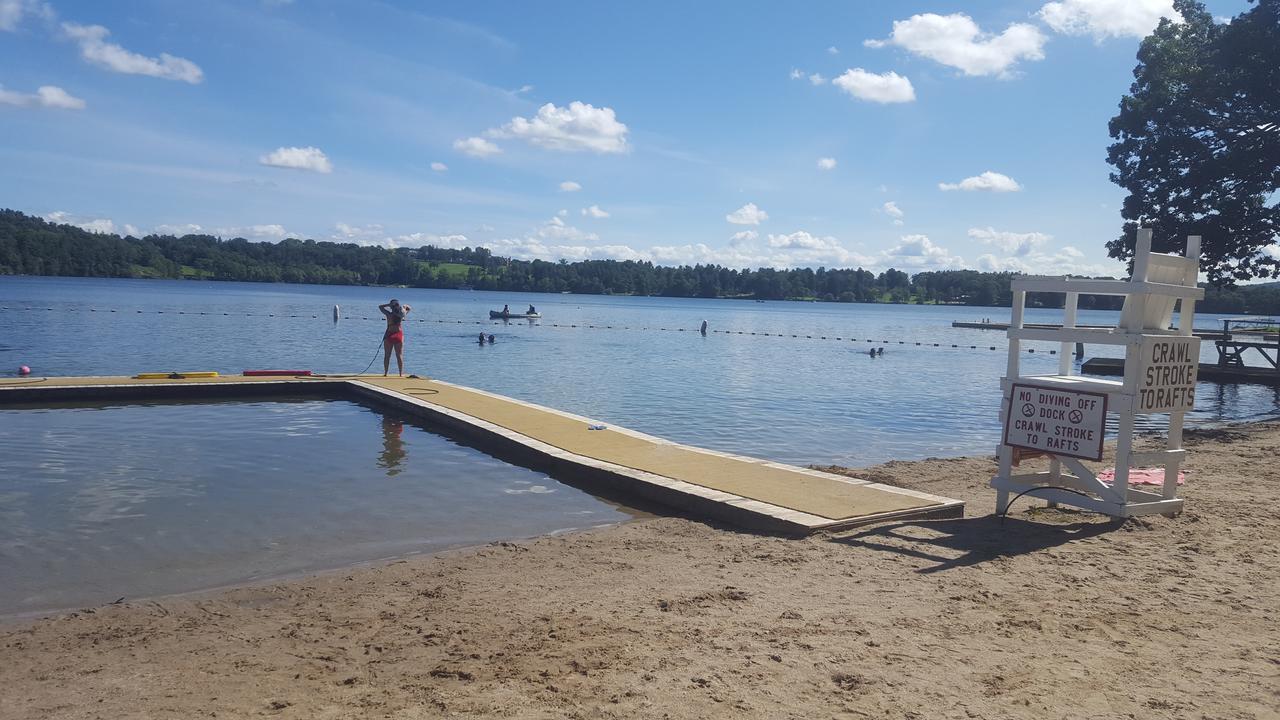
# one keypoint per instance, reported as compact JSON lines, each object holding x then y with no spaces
{"x":1198,"y":141}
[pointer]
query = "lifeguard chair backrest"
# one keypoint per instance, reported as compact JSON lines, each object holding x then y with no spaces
{"x":1157,"y":311}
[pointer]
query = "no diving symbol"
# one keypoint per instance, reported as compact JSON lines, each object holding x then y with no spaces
{"x":1028,"y":410}
{"x":1075,"y":416}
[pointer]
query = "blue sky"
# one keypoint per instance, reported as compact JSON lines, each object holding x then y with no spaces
{"x":916,"y":135}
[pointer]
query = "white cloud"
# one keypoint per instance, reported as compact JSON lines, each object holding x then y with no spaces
{"x":177,"y":230}
{"x":990,"y":181}
{"x":97,"y":225}
{"x":826,"y":163}
{"x":524,"y":89}
{"x":439,"y":166}
{"x":1067,"y":261}
{"x":748,"y":214}
{"x":957,"y":41}
{"x":742,"y":236}
{"x":796,"y":74}
{"x":298,"y":158}
{"x":50,"y":96}
{"x":887,"y":87}
{"x":577,"y":127}
{"x":1107,"y":18}
{"x":833,"y":50}
{"x":595,"y":212}
{"x":95,"y":48}
{"x":562,"y":213}
{"x":892,"y":210}
{"x":817,"y":79}
{"x":476,"y":147}
{"x":918,"y":252}
{"x":557,"y":229}
{"x":12,"y":12}
{"x":253,"y":232}
{"x":376,"y":234}
{"x":1012,"y":243}
{"x":801,"y":240}
{"x":570,"y":186}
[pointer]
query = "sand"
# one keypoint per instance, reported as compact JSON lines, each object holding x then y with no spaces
{"x":1049,"y":614}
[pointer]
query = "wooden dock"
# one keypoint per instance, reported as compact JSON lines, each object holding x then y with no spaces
{"x":1215,"y":373}
{"x":591,"y":454}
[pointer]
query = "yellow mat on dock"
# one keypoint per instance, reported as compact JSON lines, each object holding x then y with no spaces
{"x":780,"y":486}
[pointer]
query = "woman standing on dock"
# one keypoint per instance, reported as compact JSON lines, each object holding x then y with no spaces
{"x":393,"y":337}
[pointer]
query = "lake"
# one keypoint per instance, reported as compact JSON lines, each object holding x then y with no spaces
{"x":795,"y":400}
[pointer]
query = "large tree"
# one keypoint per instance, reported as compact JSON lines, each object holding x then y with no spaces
{"x":1198,"y":141}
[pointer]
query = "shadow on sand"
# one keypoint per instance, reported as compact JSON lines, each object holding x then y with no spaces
{"x":970,"y":541}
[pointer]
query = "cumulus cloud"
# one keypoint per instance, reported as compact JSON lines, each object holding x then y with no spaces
{"x":1066,"y":261}
{"x":817,"y":79}
{"x":595,"y":212}
{"x":892,"y":210}
{"x":49,"y":96}
{"x":989,"y":181}
{"x":439,"y":166}
{"x":557,"y":229}
{"x":1107,"y":18}
{"x":94,"y":225}
{"x":918,"y":252}
{"x":269,"y":231}
{"x":796,"y":74}
{"x":577,"y":127}
{"x":94,"y":48}
{"x":801,"y":240}
{"x":889,"y":87}
{"x":570,"y":186}
{"x":748,"y":214}
{"x":376,"y":234}
{"x":957,"y":41}
{"x":177,"y":230}
{"x":826,"y":163}
{"x":833,"y":50}
{"x":476,"y":147}
{"x":742,"y":236}
{"x":1012,"y":243}
{"x":298,"y":158}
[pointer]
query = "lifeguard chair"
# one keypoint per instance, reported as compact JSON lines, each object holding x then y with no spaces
{"x":1051,"y":414}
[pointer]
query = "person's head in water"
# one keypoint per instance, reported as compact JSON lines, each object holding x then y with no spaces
{"x":490,"y":339}
{"x":481,"y":338}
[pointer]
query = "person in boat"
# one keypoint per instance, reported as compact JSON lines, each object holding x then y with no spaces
{"x":506,"y":311}
{"x":532,"y":311}
{"x":393,"y":336}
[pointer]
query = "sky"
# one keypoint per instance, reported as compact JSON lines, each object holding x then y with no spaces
{"x":915,"y":135}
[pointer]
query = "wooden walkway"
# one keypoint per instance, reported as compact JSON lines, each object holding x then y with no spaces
{"x":741,"y":490}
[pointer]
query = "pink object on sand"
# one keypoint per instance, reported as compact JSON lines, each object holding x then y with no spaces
{"x":1141,"y":476}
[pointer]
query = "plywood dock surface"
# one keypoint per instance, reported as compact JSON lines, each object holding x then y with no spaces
{"x":804,"y":498}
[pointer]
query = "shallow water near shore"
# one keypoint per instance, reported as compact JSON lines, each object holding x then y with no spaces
{"x":103,"y":501}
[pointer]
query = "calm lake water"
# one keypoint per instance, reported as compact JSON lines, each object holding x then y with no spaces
{"x":795,"y":400}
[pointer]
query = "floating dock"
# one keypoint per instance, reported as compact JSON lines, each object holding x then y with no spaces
{"x":1215,"y":373}
{"x":591,"y":454}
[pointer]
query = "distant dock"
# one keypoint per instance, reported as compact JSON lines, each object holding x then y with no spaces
{"x":587,"y":453}
{"x":1003,"y":326}
{"x":1215,"y":373}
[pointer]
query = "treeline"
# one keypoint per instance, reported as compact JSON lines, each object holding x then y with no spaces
{"x":31,"y":246}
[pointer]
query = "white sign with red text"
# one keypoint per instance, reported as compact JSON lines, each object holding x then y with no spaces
{"x":1059,"y":422}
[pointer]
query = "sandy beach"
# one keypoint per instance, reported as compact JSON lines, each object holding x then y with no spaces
{"x":1048,"y":614}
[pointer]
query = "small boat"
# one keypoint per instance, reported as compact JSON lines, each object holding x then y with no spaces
{"x":497,"y":315}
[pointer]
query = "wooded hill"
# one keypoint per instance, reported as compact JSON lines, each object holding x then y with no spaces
{"x":32,"y":246}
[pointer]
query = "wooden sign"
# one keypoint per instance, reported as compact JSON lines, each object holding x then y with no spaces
{"x":1167,"y":374}
{"x":1059,"y":422}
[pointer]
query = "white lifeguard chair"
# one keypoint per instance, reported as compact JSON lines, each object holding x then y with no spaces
{"x":1160,"y":369}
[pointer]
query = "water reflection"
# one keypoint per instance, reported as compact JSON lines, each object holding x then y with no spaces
{"x":393,"y":451}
